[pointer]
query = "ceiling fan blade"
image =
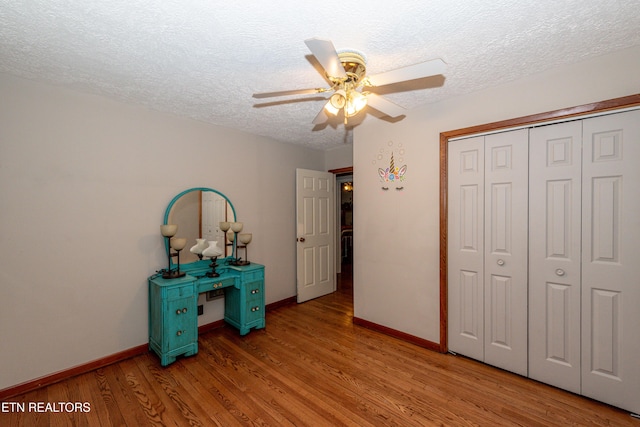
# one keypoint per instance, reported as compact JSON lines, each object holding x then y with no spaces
{"x":411,"y":72}
{"x":326,"y":54}
{"x":288,"y":92}
{"x":384,"y":105}
{"x":321,"y":117}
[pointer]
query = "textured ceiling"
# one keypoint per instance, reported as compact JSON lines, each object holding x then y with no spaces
{"x":204,"y":59}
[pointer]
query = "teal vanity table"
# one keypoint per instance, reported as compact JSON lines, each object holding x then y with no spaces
{"x":173,"y":303}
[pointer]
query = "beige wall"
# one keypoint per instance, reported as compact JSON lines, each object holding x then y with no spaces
{"x":339,"y":157}
{"x":84,"y":182}
{"x":396,"y":233}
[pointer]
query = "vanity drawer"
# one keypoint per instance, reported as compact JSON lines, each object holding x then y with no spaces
{"x":255,"y":311}
{"x":254,"y":291}
{"x":252,"y":276}
{"x":214,"y":283}
{"x":180,"y":292}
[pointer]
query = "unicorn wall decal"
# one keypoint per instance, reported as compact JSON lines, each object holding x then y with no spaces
{"x":392,"y":174}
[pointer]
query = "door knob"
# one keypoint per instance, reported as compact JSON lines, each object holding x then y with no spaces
{"x":301,"y":239}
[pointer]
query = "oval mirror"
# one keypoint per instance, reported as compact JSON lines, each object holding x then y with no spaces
{"x":198,"y":212}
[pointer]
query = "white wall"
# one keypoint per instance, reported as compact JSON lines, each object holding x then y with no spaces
{"x":396,"y":233}
{"x":84,"y":182}
{"x":339,"y":157}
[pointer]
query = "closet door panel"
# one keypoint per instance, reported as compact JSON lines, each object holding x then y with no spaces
{"x":505,"y":269}
{"x":466,"y":246}
{"x":610,"y":260}
{"x":554,"y":254}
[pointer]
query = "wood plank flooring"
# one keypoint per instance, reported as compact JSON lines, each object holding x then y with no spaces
{"x":310,"y":367}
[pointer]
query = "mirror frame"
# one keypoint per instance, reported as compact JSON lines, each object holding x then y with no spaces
{"x":166,"y":218}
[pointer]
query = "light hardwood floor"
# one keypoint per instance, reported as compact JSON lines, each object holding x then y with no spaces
{"x":311,"y":367}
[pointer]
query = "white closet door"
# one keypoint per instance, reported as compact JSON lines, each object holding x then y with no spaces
{"x":611,"y":260}
{"x":487,"y":254}
{"x":466,"y":247}
{"x":506,"y":246}
{"x":554,"y":254}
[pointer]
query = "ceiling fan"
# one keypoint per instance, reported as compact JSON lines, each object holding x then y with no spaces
{"x":346,"y":71}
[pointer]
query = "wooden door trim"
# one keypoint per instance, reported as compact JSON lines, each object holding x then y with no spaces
{"x":342,"y":171}
{"x":556,"y":115}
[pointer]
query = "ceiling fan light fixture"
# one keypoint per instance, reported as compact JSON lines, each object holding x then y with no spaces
{"x":356,"y":101}
{"x":336,"y":102}
{"x":338,"y":99}
{"x":346,"y":71}
{"x":330,"y":108}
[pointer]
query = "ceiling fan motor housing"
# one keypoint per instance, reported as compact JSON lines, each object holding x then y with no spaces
{"x":346,"y":95}
{"x":354,"y":63}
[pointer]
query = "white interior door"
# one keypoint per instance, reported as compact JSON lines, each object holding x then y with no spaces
{"x":610,"y":260}
{"x":506,"y":250}
{"x":466,"y":247}
{"x":315,"y":213}
{"x":555,"y":159}
{"x":213,"y":211}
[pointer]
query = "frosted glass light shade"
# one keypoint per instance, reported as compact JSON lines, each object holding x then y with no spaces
{"x":355,"y":103}
{"x":236,"y":227}
{"x":178,"y":243}
{"x":224,"y":226}
{"x":168,"y":230}
{"x":329,"y":108}
{"x":230,"y":236}
{"x":213,"y":250}
{"x":245,"y":238}
{"x":201,"y":245}
{"x":338,"y":99}
{"x":336,"y":102}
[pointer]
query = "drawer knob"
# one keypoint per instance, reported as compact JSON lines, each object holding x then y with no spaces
{"x":179,"y":333}
{"x":560,"y":272}
{"x":184,"y":310}
{"x":500,"y":262}
{"x":257,"y":308}
{"x":178,"y":311}
{"x":255,"y":291}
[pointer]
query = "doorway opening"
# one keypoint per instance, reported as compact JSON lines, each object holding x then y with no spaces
{"x":344,"y":221}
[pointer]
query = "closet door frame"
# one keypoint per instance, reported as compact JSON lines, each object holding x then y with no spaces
{"x":548,"y":117}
